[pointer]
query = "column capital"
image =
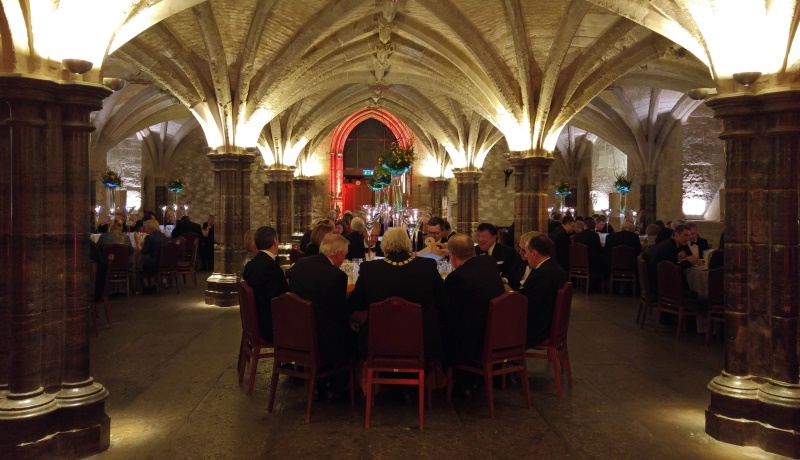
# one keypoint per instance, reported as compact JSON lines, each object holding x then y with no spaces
{"x":280,"y":173}
{"x":231,"y":160}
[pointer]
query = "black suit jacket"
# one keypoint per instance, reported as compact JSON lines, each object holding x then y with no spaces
{"x":702,"y":246}
{"x":623,"y":238}
{"x":316,"y":279}
{"x":470,"y":288}
{"x":266,"y":278}
{"x":515,"y":277}
{"x":541,"y":289}
{"x":417,"y":281}
{"x":356,"y":249}
{"x":666,"y":250}
{"x":597,"y":260}
{"x":562,"y":242}
{"x":504,"y":256}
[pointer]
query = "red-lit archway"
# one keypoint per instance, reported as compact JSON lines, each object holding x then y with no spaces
{"x":399,"y":129}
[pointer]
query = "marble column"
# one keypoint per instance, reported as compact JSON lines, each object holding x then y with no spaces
{"x":49,"y":404}
{"x":438,"y":188}
{"x":467,"y":204}
{"x":279,"y":184}
{"x":303,"y":187}
{"x":232,"y":205}
{"x":756,"y":399}
{"x":647,"y":198}
{"x":531,"y":177}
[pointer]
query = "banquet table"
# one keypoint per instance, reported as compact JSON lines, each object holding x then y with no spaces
{"x":697,"y":278}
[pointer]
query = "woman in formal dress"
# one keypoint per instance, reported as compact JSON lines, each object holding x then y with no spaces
{"x":115,"y":236}
{"x":151,"y":250}
{"x":317,"y":235}
{"x":356,"y":249}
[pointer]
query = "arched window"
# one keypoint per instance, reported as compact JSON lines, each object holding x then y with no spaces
{"x":363,"y":145}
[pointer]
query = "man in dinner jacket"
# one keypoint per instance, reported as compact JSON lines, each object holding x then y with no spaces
{"x":541,"y":288}
{"x":503,"y":256}
{"x":266,"y":278}
{"x":318,"y":278}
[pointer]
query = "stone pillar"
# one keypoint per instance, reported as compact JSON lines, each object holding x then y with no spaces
{"x":49,"y":404}
{"x":162,"y":199}
{"x":232,"y":205}
{"x":438,"y":187}
{"x":280,"y":201}
{"x":531,"y":177}
{"x":467,"y":205}
{"x":647,"y":198}
{"x":302,"y":202}
{"x":756,"y":399}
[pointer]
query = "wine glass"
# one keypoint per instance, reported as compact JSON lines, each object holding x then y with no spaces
{"x":413,"y":219}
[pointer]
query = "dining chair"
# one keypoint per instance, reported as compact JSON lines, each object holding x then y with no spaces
{"x":251,"y":346}
{"x":716,"y":302}
{"x":120,"y":272}
{"x":189,"y":238}
{"x":623,"y":267}
{"x":168,"y":258}
{"x":93,"y":317}
{"x":670,"y":296}
{"x":503,"y":346}
{"x":647,"y":299}
{"x":295,"y":342}
{"x":579,"y":263}
{"x":188,"y":266}
{"x":395,"y":347}
{"x":554,"y":348}
{"x":106,"y":291}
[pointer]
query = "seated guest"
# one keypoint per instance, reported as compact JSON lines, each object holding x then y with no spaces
{"x":472,"y":284}
{"x":185,"y":225}
{"x":541,"y":288}
{"x":670,"y":250}
{"x":652,"y":232}
{"x":356,"y":250}
{"x":668,"y":230}
{"x":626,"y":237}
{"x":319,"y":279}
{"x":207,"y":243}
{"x":435,"y":231}
{"x":266,"y":278}
{"x":488,"y":245}
{"x":521,"y":268}
{"x":718,"y":256}
{"x":560,"y":237}
{"x":422,"y":233}
{"x":151,"y":251}
{"x":555,"y":222}
{"x":697,"y":245}
{"x":601,"y":226}
{"x":374,"y":245}
{"x":134,"y":223}
{"x":597,"y":260}
{"x":170,"y":219}
{"x":317,"y":235}
{"x":105,"y":220}
{"x":249,"y":246}
{"x":401,"y":274}
{"x":339,"y":226}
{"x":115,"y":236}
{"x":122,"y":219}
{"x":347,"y":218}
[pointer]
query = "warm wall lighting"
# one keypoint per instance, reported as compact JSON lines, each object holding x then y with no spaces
{"x":699,"y":94}
{"x":115,"y":84}
{"x":746,"y":78}
{"x":77,"y":66}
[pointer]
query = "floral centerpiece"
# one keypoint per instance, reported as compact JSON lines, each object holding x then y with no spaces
{"x":398,"y":160}
{"x":375,"y":184}
{"x":623,"y":184}
{"x":111,"y":179}
{"x":563,"y":189}
{"x":175,"y":185}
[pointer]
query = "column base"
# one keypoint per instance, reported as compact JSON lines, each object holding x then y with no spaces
{"x":222,"y":290}
{"x":68,"y":432}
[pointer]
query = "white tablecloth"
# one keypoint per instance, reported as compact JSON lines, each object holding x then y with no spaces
{"x":697,"y":277}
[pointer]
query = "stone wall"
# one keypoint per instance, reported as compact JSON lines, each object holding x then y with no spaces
{"x":198,"y":177}
{"x":126,"y":159}
{"x":703,"y":164}
{"x":496,"y":202}
{"x":607,"y":162}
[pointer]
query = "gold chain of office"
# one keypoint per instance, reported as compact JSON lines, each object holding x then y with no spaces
{"x":399,"y":264}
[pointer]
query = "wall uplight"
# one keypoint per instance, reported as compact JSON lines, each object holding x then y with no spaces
{"x":77,"y":66}
{"x":114,"y":84}
{"x":746,"y":78}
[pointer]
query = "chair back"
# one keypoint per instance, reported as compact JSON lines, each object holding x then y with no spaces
{"x":395,"y":330}
{"x":169,"y":255}
{"x":670,"y":283}
{"x":107,"y":280}
{"x":506,"y":326}
{"x":716,"y":288}
{"x":561,"y":314}
{"x":247,"y":311}
{"x":623,"y":260}
{"x":644,"y":278}
{"x":189,"y":256}
{"x":578,"y":257}
{"x":120,"y":252}
{"x":294,"y":332}
{"x":295,"y":254}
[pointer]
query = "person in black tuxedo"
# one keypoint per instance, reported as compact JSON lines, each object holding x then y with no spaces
{"x":541,"y":288}
{"x":555,"y":222}
{"x":266,"y":278}
{"x":470,"y":287}
{"x":521,"y":269}
{"x":185,"y":225}
{"x":206,"y":245}
{"x":670,"y":250}
{"x":602,"y":226}
{"x":584,"y":233}
{"x":560,"y":237}
{"x":401,"y":274}
{"x":697,"y":246}
{"x":487,"y":245}
{"x":357,"y":249}
{"x":374,"y":245}
{"x":626,"y":237}
{"x":319,"y":279}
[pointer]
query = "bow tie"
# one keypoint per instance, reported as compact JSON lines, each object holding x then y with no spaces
{"x":692,"y":244}
{"x":482,"y":253}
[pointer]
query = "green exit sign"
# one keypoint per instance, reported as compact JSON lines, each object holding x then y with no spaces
{"x":368,"y":172}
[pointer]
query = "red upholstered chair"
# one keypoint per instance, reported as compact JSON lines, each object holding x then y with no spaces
{"x":579,"y":263}
{"x":646,"y":298}
{"x":252,"y":344}
{"x":395,"y":346}
{"x":186,"y":266}
{"x":670,"y":296}
{"x":170,"y":255}
{"x":716,"y":301}
{"x":554,"y":349}
{"x":623,"y":266}
{"x":104,"y":298}
{"x":504,"y":345}
{"x":119,"y":271}
{"x":295,"y":341}
{"x":295,"y":254}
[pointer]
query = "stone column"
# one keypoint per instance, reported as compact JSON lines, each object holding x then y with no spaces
{"x":232,"y":205}
{"x":303,"y":187}
{"x":280,"y":201}
{"x":49,"y":404}
{"x":531,"y":176}
{"x":756,"y":399}
{"x":647,"y":198}
{"x":162,"y":199}
{"x":438,"y":187}
{"x":467,"y":205}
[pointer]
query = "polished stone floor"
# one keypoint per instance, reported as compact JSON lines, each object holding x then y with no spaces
{"x":169,"y":365}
